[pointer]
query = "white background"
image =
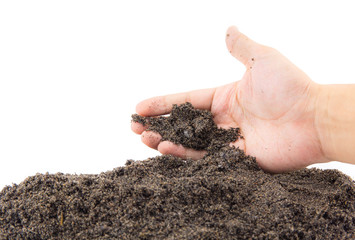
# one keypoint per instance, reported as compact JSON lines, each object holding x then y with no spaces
{"x":71,"y":72}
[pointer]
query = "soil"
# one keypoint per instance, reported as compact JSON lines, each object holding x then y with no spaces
{"x":190,"y":127}
{"x":225,"y":195}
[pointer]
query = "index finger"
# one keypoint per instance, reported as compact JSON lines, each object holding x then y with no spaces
{"x":201,"y":99}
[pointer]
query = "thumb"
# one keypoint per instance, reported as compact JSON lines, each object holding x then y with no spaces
{"x":243,"y":48}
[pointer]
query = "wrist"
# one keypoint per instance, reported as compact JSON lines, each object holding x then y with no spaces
{"x":323,"y":123}
{"x":335,"y":122}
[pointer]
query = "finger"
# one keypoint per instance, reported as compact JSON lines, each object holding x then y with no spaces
{"x":201,"y":99}
{"x":167,"y":147}
{"x":242,"y":47}
{"x":151,"y":139}
{"x":138,"y":128}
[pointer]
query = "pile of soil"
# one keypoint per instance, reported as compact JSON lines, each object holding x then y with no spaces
{"x":225,"y":195}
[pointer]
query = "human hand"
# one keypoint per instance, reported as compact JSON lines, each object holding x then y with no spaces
{"x":274,"y":104}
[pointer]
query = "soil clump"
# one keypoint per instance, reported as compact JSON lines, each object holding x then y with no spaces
{"x":224,"y":195}
{"x":190,"y":127}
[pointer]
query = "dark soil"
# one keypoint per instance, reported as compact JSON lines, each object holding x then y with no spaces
{"x":225,"y":195}
{"x":190,"y":127}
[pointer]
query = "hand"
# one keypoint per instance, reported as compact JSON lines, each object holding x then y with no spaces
{"x":273,"y":104}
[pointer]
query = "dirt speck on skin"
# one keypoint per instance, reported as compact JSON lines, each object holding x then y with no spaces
{"x":225,"y":195}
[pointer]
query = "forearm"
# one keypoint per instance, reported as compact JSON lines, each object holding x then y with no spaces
{"x":335,"y":122}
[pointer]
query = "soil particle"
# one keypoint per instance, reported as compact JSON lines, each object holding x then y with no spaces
{"x":225,"y":195}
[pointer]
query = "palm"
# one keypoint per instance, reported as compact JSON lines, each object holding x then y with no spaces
{"x":273,"y":108}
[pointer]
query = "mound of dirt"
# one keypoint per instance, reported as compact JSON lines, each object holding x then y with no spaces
{"x":225,"y":195}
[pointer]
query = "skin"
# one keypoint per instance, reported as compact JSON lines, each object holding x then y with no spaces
{"x":287,"y":120}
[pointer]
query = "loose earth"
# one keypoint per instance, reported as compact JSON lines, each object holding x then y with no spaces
{"x":224,"y":195}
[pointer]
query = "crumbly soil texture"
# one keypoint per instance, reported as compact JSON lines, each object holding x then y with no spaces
{"x":190,"y":127}
{"x":224,"y":195}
